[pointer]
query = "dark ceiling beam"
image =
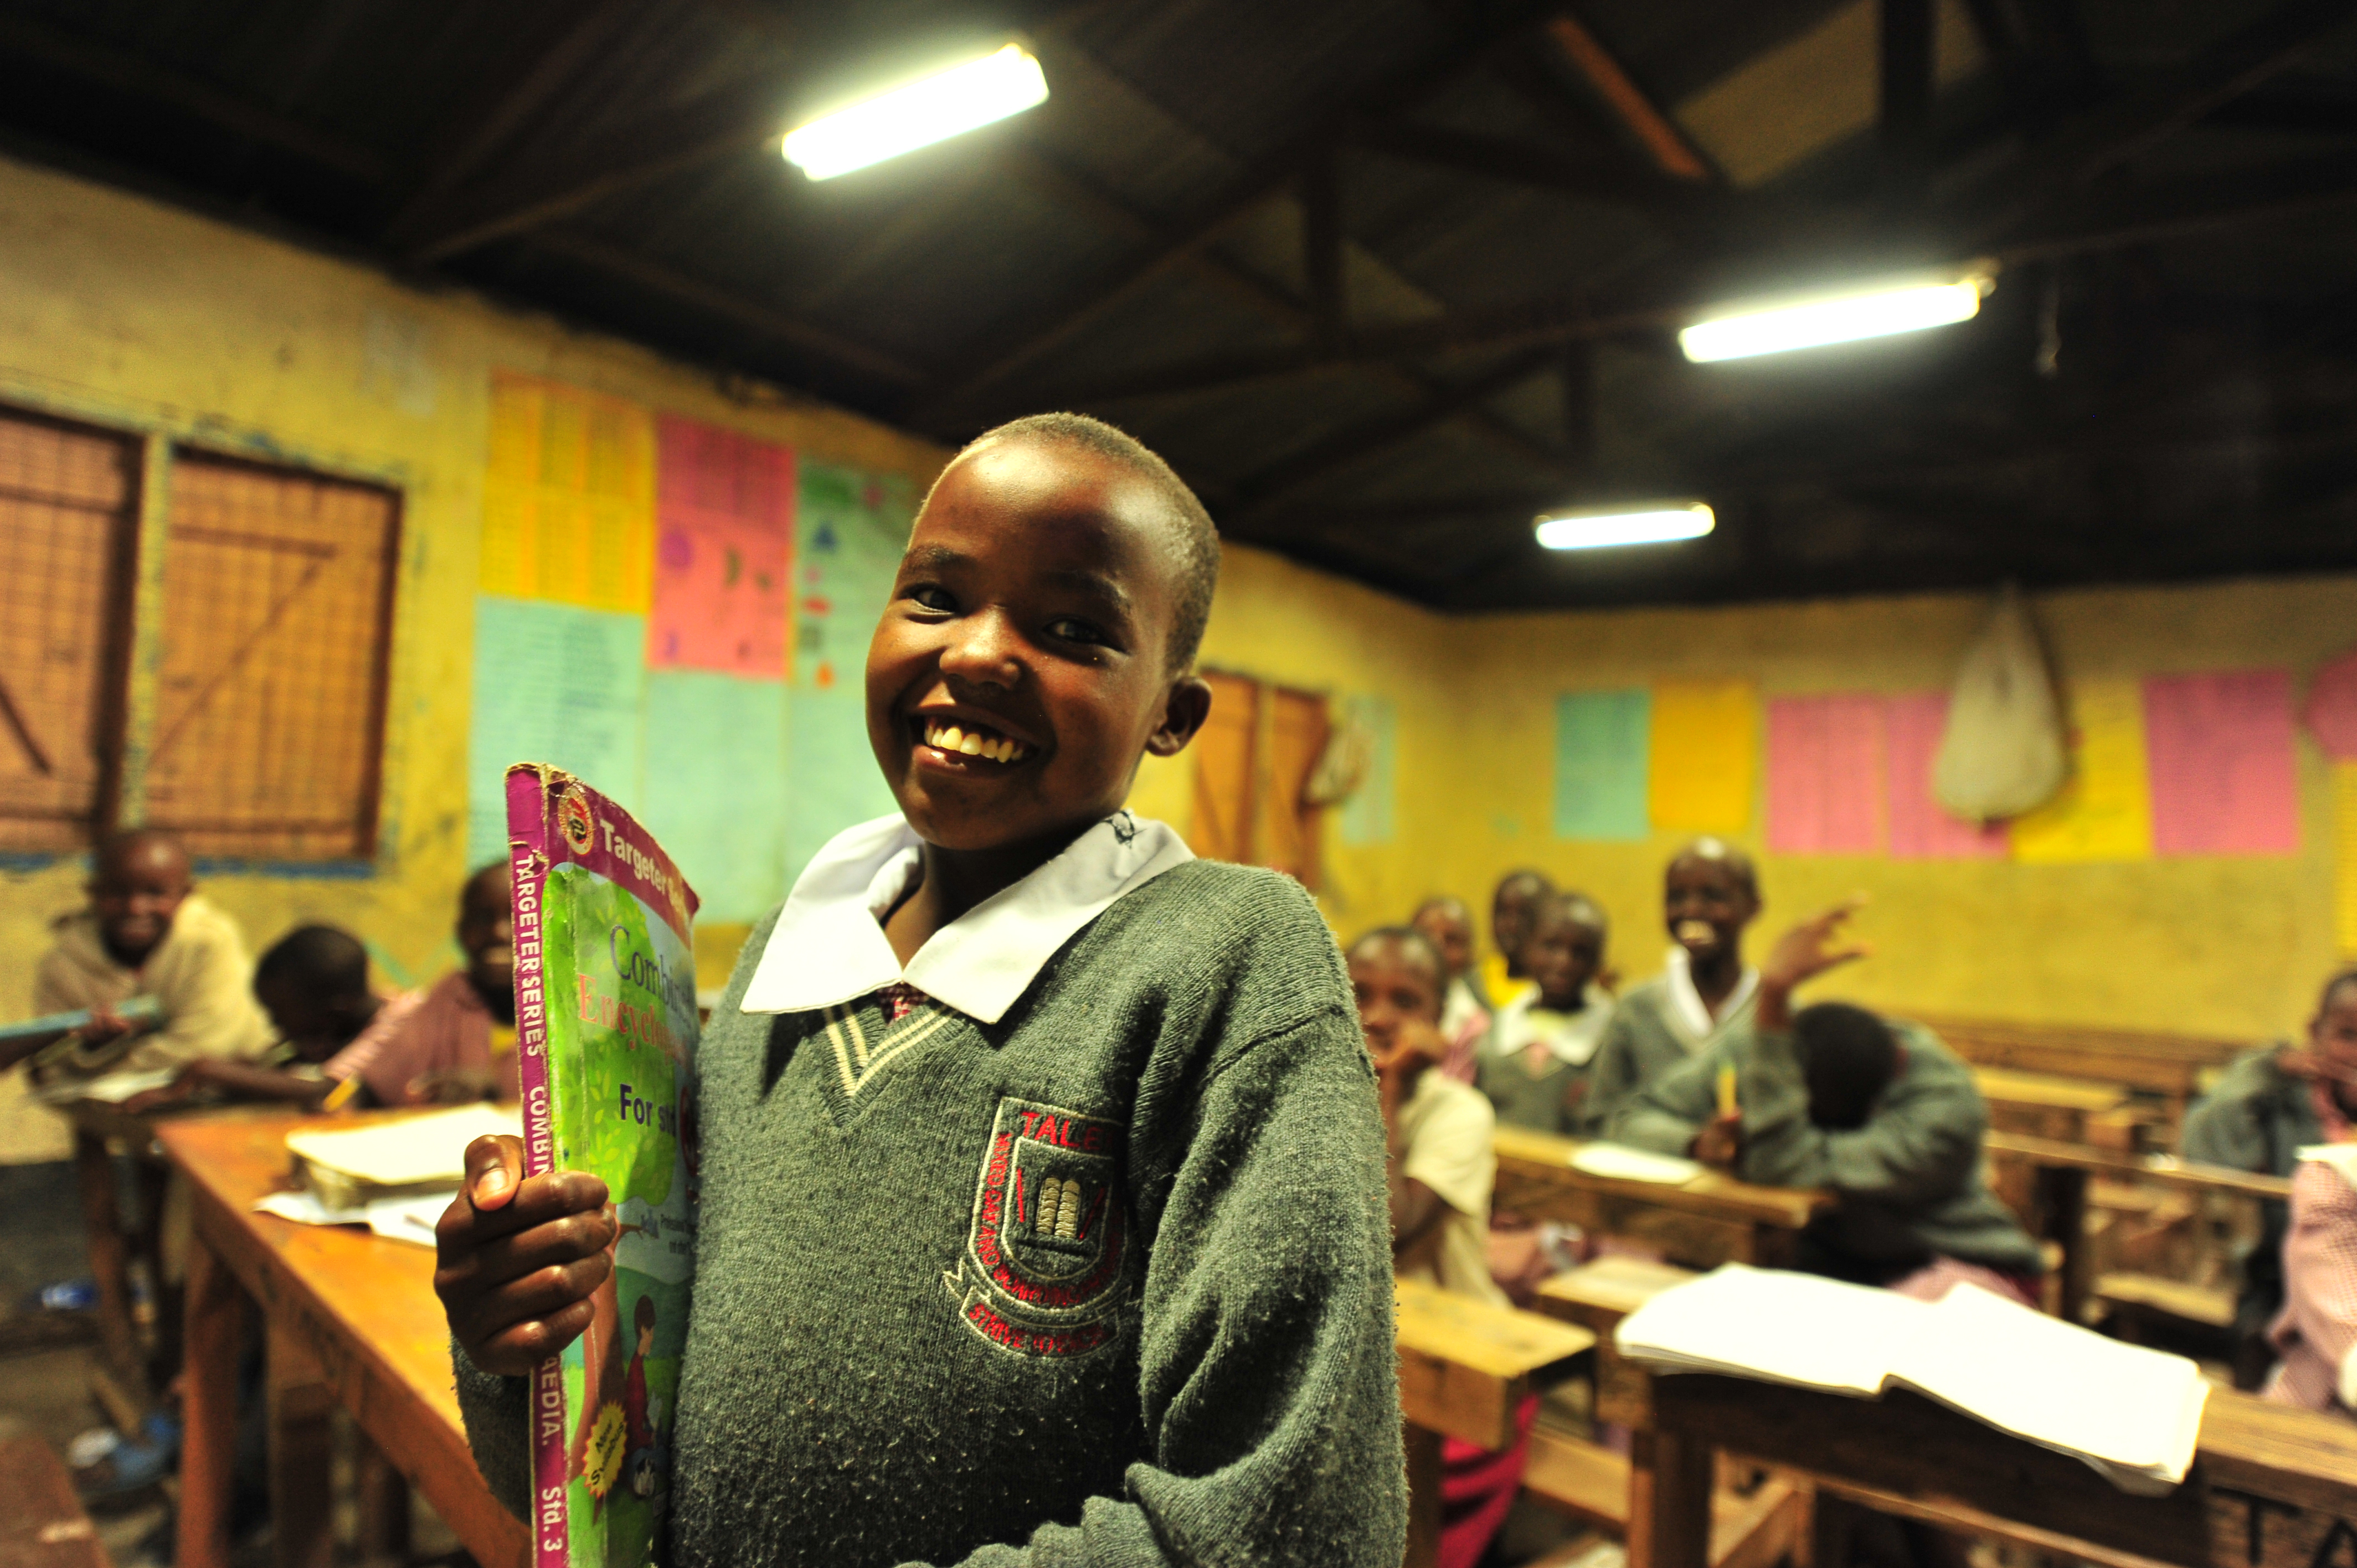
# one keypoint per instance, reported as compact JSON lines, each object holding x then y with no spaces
{"x":1321,"y":246}
{"x":1903,"y":120}
{"x":1081,"y":194}
{"x":1259,"y":492}
{"x":1519,"y":162}
{"x":1012,"y":346}
{"x":129,"y":73}
{"x":1670,"y":149}
{"x":669,"y":139}
{"x":727,"y":305}
{"x":2118,"y":130}
{"x":499,"y":107}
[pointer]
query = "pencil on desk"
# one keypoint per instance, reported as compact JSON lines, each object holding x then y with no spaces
{"x":1726,"y":1105}
{"x":342,"y":1095}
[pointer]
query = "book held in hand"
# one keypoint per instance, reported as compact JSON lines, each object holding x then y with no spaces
{"x":2134,"y":1414}
{"x":606,"y":1031}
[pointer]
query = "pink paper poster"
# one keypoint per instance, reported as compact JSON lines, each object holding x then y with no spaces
{"x":1921,"y":828}
{"x":2220,"y":748}
{"x":724,"y":544}
{"x":2332,"y":708}
{"x":1824,"y":775}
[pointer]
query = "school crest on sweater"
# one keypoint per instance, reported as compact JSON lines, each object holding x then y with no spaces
{"x":1041,"y":1274}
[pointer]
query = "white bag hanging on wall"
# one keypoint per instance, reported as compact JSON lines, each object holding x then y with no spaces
{"x":2003,"y":753}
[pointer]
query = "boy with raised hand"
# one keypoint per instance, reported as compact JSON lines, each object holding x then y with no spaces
{"x":2268,"y":1105}
{"x":1709,"y":893}
{"x":1877,"y":1111}
{"x":1448,"y":924}
{"x":1012,"y":999}
{"x":1503,"y":975}
{"x":1535,"y":1064}
{"x":147,"y":932}
{"x":456,"y":1041}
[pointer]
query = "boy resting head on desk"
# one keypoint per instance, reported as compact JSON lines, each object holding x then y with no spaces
{"x":1877,"y":1111}
{"x":454,"y":1042}
{"x":1534,"y":1064}
{"x":1709,"y":895}
{"x":313,"y":982}
{"x":1012,"y":982}
{"x":146,"y":932}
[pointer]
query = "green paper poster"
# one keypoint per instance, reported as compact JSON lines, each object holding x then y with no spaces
{"x":1602,"y":741}
{"x":716,"y":793}
{"x":554,"y":683}
{"x":1367,"y":814}
{"x":850,"y":529}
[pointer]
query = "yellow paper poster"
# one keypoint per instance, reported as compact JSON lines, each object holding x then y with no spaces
{"x":2104,"y":810}
{"x":2344,"y":856}
{"x":569,"y":496}
{"x":1706,"y":755}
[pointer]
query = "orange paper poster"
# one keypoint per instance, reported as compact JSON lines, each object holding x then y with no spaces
{"x":2104,"y":811}
{"x":1824,"y":775}
{"x":724,"y":542}
{"x":569,"y":499}
{"x":1706,"y":737}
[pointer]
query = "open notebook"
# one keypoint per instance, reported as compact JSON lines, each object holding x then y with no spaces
{"x":2132,"y":1413}
{"x":397,"y":1157}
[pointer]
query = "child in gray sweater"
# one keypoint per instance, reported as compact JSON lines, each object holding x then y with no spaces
{"x":1044,"y":1217}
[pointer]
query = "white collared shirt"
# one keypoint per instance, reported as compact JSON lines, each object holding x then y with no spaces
{"x":1687,"y":1013}
{"x":1570,"y":1038}
{"x":829,"y":947}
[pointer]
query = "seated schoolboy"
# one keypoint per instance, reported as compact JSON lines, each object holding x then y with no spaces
{"x":1709,"y":893}
{"x":147,"y":933}
{"x":2266,"y":1107}
{"x":1011,"y":981}
{"x":1534,"y":1064}
{"x":455,"y":1041}
{"x":1502,"y":976}
{"x":1440,"y":1170}
{"x":1448,"y":924}
{"x":313,"y":982}
{"x":2316,"y":1331}
{"x":1877,"y":1111}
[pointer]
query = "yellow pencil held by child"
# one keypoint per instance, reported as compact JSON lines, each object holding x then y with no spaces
{"x":1726,"y":1106}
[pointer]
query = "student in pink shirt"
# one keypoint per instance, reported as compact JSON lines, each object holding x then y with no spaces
{"x":455,"y":1041}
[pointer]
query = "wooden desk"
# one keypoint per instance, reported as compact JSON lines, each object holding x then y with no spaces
{"x":1465,"y":1367}
{"x":351,"y":1319}
{"x":2043,"y":1105}
{"x":1710,"y":1220}
{"x":2168,"y":1066}
{"x":2270,"y":1488}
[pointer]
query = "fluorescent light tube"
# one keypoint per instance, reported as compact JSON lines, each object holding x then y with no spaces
{"x":1837,"y":318}
{"x":1642,"y":525}
{"x":918,"y":114}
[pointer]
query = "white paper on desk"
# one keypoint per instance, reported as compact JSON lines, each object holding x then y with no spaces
{"x":409,"y":1151}
{"x":395,"y":1218}
{"x":108,"y":1089}
{"x":1619,"y":1162}
{"x":2133,"y":1414}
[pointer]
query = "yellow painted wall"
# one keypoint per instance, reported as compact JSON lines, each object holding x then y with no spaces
{"x":125,"y":313}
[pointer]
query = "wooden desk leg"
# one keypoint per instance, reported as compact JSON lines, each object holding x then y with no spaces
{"x":302,"y":1454}
{"x":109,"y":1261}
{"x":216,"y":1308}
{"x":384,"y":1523}
{"x":1423,"y":1497}
{"x":2061,"y":1197}
{"x":1669,"y":1500}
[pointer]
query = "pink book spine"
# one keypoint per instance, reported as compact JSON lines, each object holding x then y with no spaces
{"x":530,"y":841}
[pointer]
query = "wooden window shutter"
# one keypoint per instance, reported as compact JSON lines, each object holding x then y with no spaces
{"x":1287,"y":837}
{"x":69,"y":514}
{"x":1226,"y":755}
{"x":277,"y":632}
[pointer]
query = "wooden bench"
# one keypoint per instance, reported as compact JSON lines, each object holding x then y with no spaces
{"x":42,"y":1524}
{"x":2045,"y":1105}
{"x":1465,"y":1367}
